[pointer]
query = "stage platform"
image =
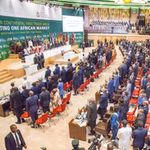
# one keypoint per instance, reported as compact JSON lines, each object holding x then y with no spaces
{"x":13,"y":67}
{"x":113,"y":37}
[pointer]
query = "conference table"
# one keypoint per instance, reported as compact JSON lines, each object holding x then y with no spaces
{"x":29,"y":60}
{"x":31,"y":69}
{"x":4,"y":106}
{"x":76,"y":131}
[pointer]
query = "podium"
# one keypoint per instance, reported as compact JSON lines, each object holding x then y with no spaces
{"x":77,"y":132}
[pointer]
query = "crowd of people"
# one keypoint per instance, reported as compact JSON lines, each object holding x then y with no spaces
{"x":35,"y":45}
{"x":144,"y":29}
{"x":39,"y":60}
{"x":114,"y":27}
{"x":48,"y":94}
{"x":136,"y":59}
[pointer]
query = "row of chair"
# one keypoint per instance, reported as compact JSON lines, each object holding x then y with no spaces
{"x":134,"y":100}
{"x":48,"y":116}
{"x":94,"y":76}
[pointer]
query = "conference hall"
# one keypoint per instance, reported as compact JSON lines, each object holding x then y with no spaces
{"x":75,"y":75}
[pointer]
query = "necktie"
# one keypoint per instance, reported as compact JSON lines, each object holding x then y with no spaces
{"x":17,"y":140}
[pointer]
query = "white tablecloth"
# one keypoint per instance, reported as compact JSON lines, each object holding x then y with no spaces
{"x":69,"y":55}
{"x":48,"y":53}
{"x":31,"y":69}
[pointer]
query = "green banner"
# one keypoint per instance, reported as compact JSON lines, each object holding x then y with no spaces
{"x":19,"y":29}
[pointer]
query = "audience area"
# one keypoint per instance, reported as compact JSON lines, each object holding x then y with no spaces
{"x":115,"y":27}
{"x":122,"y":97}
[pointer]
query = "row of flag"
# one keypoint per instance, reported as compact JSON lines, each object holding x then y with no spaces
{"x":62,"y":37}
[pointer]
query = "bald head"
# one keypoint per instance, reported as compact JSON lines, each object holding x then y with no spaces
{"x":31,"y":93}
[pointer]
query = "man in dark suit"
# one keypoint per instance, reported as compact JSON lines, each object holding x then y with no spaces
{"x":14,"y":140}
{"x":63,"y":74}
{"x":36,"y":60}
{"x":122,"y":71}
{"x":32,"y":106}
{"x":92,"y":115}
{"x":138,"y":136}
{"x":57,"y":70}
{"x":35,"y":88}
{"x":103,"y":104}
{"x":16,"y":103}
{"x":110,"y":87}
{"x":47,"y":73}
{"x":76,"y":83}
{"x":42,"y":60}
{"x":44,"y":99}
{"x":25,"y":95}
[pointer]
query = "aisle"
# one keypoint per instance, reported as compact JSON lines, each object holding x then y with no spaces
{"x":57,"y":136}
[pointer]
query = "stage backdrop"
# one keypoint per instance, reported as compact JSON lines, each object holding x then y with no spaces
{"x":32,"y":20}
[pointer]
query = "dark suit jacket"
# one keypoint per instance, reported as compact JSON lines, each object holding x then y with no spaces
{"x":44,"y":98}
{"x":138,"y":136}
{"x":16,"y":100}
{"x":92,"y":112}
{"x":32,"y":104}
{"x":103,"y":101}
{"x":10,"y":143}
{"x":47,"y":74}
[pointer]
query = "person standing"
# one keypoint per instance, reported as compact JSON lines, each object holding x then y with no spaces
{"x":16,"y":103}
{"x":25,"y":95}
{"x":129,"y":88}
{"x":116,"y":81}
{"x":26,"y":83}
{"x":61,"y":89}
{"x":42,"y":60}
{"x":14,"y":140}
{"x":35,"y":88}
{"x":139,"y":135}
{"x":32,"y":106}
{"x":124,"y":135}
{"x":12,"y":87}
{"x":75,"y":82}
{"x":36,"y":60}
{"x":92,"y":115}
{"x":103,"y":104}
{"x":63,"y":74}
{"x":45,"y":99}
{"x":110,"y":88}
{"x":114,"y":123}
{"x":83,"y":46}
{"x":47,"y":73}
{"x":57,"y":70}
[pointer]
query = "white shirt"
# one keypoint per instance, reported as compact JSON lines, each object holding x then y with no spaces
{"x":124,"y":135}
{"x":27,"y":84}
{"x":16,"y":139}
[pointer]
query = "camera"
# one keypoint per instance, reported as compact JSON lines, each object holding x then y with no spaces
{"x":96,"y":142}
